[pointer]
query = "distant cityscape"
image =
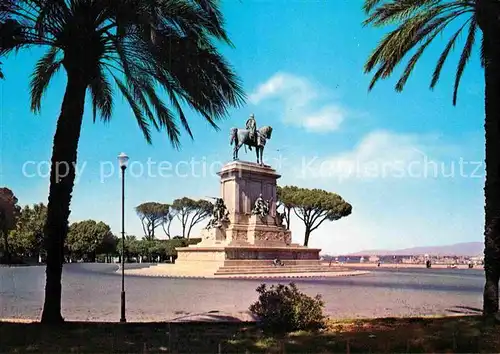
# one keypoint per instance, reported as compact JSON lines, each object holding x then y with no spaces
{"x":407,"y":259}
{"x":459,"y":253}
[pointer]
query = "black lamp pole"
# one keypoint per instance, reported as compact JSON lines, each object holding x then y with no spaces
{"x":122,"y":317}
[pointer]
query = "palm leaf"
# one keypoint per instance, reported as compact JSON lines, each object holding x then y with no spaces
{"x":165,"y":117}
{"x":144,"y":45}
{"x":102,"y":96}
{"x":45,"y":69}
{"x":464,"y":57}
{"x":444,"y":56}
{"x":419,"y":23}
{"x":141,"y":121}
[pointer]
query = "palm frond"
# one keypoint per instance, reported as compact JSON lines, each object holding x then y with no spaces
{"x":482,"y":54}
{"x":173,"y":93}
{"x":141,"y":121}
{"x":398,"y":43}
{"x":165,"y":117}
{"x":102,"y":96}
{"x":215,"y":19}
{"x":419,"y":23}
{"x":464,"y":57}
{"x":398,"y":11}
{"x":45,"y":69}
{"x":207,"y":82}
{"x":369,"y":5}
{"x":414,"y":59}
{"x":144,"y":46}
{"x":444,"y":56}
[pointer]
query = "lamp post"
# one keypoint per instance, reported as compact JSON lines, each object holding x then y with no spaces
{"x":123,"y":161}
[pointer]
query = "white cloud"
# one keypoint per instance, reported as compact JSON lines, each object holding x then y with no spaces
{"x":295,"y":90}
{"x":301,"y":101}
{"x":327,"y":118}
{"x":382,"y":154}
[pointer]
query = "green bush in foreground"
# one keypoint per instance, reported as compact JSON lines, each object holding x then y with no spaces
{"x":283,"y":309}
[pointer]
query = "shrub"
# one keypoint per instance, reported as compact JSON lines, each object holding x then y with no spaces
{"x":283,"y":309}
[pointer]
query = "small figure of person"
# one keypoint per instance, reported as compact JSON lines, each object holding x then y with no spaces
{"x":278,"y":262}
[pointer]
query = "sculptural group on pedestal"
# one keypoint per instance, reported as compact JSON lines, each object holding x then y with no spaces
{"x":220,"y":214}
{"x":261,"y":207}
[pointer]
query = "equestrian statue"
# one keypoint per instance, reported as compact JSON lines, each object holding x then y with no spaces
{"x":251,"y":137}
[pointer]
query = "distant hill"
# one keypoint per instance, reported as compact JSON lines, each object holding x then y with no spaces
{"x":459,"y":249}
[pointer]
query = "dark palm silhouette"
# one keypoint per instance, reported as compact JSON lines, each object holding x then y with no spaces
{"x":147,"y":49}
{"x":420,"y":22}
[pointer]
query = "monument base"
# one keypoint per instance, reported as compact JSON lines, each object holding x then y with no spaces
{"x":226,"y":253}
{"x":251,"y":237}
{"x":250,"y":259}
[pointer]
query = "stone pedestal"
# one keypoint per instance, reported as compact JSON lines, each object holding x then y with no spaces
{"x":247,"y":237}
{"x":242,"y":183}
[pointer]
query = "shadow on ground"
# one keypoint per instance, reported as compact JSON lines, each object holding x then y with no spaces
{"x":211,"y":316}
{"x":389,"y":335}
{"x":465,"y":310}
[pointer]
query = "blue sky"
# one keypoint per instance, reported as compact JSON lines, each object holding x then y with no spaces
{"x":301,"y":64}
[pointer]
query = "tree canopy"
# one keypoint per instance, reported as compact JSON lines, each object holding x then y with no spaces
{"x":9,"y":212}
{"x":314,"y":206}
{"x":152,"y":215}
{"x":191,"y":212}
{"x":86,"y":238}
{"x":28,"y":235}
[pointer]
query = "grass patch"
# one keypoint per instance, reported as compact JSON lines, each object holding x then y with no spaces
{"x":385,"y":335}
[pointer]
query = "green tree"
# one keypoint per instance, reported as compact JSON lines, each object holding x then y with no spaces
{"x":152,"y":215}
{"x":27,"y":237}
{"x":191,"y":212}
{"x":150,"y":249}
{"x":132,"y":246}
{"x":9,"y":212}
{"x":141,"y":46}
{"x":86,"y":237}
{"x":108,"y":246}
{"x":314,"y":206}
{"x":418,"y":23}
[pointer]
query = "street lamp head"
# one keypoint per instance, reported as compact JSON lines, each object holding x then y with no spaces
{"x":123,"y":160}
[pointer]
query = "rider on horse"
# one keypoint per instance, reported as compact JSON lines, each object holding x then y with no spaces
{"x":251,"y":125}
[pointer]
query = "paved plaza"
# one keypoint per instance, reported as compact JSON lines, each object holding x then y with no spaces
{"x":92,"y":292}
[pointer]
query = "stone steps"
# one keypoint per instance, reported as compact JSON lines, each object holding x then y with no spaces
{"x":268,"y":262}
{"x":276,"y":270}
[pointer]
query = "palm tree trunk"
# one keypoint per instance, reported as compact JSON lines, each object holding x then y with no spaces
{"x":62,"y":176}
{"x":492,"y":183}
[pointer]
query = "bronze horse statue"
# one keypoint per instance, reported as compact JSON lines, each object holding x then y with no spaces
{"x":241,"y":137}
